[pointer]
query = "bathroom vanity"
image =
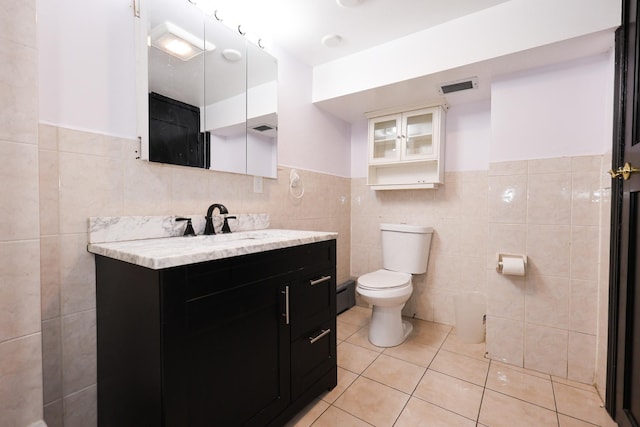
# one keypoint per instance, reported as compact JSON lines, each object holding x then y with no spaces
{"x":223,"y":332}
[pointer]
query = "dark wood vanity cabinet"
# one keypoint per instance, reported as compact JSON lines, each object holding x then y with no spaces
{"x":243,"y":341}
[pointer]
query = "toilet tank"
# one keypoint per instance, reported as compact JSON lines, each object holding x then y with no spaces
{"x":405,"y":247}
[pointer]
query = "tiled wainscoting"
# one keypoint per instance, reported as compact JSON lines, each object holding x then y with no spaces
{"x":555,"y":211}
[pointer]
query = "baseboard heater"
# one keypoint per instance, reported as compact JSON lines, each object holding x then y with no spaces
{"x":345,"y":296}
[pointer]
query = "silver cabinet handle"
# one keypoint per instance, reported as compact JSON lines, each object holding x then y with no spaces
{"x":320,"y":280}
{"x":323,"y":332}
{"x":286,"y":304}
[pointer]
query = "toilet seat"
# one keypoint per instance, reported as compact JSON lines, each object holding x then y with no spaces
{"x":381,"y":280}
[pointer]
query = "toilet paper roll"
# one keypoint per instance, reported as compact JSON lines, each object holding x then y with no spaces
{"x":513,"y":266}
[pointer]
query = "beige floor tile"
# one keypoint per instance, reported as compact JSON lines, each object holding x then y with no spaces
{"x":499,"y":410}
{"x":354,"y":358}
{"x":355,"y":317}
{"x":308,"y":414}
{"x":451,"y":393}
{"x":361,"y":338}
{"x":375,"y":385}
{"x":419,"y":413}
{"x":566,"y":421}
{"x":520,"y":369}
{"x":581,"y":404}
{"x":396,"y":373}
{"x":345,"y":379}
{"x":521,"y":386}
{"x":413,"y":352}
{"x":455,"y":345}
{"x":429,"y":333}
{"x":345,"y":330}
{"x":334,"y":417}
{"x":372,"y":402}
{"x":461,"y":366}
{"x":575,"y":384}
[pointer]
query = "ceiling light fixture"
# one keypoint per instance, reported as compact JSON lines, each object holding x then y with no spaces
{"x":232,"y":55}
{"x":348,"y":3}
{"x":230,"y":22}
{"x":331,"y":40}
{"x":178,"y":42}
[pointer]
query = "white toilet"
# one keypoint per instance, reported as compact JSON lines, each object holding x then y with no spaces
{"x":405,"y":251}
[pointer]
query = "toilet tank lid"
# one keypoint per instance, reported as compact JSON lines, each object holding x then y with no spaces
{"x":407,"y":228}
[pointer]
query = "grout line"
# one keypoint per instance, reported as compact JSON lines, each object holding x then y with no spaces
{"x":438,"y":349}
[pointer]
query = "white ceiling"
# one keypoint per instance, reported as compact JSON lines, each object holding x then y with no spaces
{"x":298,"y":26}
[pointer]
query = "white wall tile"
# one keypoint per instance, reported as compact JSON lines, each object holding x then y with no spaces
{"x":19,"y":190}
{"x":18,"y":93}
{"x":505,"y":340}
{"x":21,"y":385}
{"x":81,"y":408}
{"x":89,"y":186}
{"x":545,"y":349}
{"x":52,"y":360}
{"x":78,"y":352}
{"x":19,"y":288}
{"x":548,"y":249}
{"x":547,"y":301}
{"x":582,"y":357}
{"x":508,"y":199}
{"x":549,"y":199}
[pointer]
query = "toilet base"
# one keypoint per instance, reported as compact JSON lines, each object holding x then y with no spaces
{"x":387,"y":329}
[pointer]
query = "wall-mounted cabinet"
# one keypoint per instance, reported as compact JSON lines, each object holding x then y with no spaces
{"x":406,"y":149}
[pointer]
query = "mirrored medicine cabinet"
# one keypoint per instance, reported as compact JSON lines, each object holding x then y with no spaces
{"x":207,"y":97}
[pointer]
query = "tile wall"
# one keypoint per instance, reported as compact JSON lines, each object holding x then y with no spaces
{"x":458,"y":213}
{"x":551,"y":210}
{"x":85,"y":174}
{"x":20,"y":330}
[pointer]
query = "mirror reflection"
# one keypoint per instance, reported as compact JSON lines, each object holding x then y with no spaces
{"x":212,"y":95}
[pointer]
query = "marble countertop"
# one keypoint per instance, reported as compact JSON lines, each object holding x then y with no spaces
{"x":175,"y":251}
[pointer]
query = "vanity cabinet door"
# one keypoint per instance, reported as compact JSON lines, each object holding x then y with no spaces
{"x":233,"y":363}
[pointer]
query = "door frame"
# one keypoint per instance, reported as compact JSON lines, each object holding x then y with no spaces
{"x":617,"y":294}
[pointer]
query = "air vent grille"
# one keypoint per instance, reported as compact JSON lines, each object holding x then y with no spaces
{"x":470,"y":83}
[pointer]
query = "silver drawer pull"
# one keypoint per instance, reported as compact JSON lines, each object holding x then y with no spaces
{"x":320,"y":280}
{"x":286,"y":305}
{"x":323,"y":332}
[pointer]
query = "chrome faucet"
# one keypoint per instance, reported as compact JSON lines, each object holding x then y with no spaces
{"x":208,"y":228}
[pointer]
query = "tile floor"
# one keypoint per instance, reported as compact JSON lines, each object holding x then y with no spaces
{"x":433,"y":379}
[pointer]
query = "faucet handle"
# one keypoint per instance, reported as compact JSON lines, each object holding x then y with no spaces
{"x":188,"y":231}
{"x":225,"y":225}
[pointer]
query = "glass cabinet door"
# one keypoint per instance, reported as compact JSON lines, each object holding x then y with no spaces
{"x":418,"y":135}
{"x":385,"y":139}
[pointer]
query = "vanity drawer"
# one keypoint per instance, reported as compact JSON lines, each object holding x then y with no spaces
{"x":313,"y":301}
{"x":312,"y":356}
{"x":212,"y":277}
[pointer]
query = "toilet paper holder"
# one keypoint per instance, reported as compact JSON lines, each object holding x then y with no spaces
{"x":500,"y":261}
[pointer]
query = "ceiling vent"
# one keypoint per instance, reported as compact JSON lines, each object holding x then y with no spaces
{"x":457,"y":86}
{"x":262,"y":128}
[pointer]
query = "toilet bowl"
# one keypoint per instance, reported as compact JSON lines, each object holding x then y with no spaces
{"x":405,"y":251}
{"x":387,"y":291}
